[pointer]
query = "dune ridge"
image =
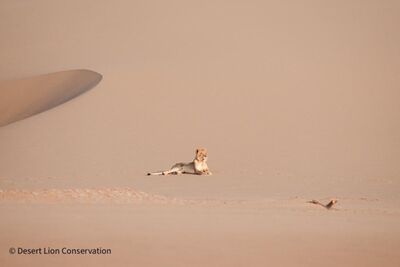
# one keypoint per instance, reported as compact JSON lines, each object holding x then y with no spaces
{"x":22,"y":98}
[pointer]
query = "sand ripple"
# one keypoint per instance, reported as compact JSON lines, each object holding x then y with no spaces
{"x":85,"y":195}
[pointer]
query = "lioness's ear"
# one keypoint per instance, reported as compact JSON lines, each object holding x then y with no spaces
{"x":197,"y":151}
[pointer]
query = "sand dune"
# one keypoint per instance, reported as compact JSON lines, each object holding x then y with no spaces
{"x":20,"y":99}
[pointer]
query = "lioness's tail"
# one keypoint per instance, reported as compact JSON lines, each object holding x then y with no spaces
{"x":155,"y":173}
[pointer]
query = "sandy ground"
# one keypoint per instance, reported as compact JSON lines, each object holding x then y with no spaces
{"x":294,"y":101}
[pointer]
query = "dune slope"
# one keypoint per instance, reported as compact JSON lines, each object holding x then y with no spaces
{"x":22,"y":98}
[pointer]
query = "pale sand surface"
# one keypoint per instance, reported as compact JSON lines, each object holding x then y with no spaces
{"x":294,"y":101}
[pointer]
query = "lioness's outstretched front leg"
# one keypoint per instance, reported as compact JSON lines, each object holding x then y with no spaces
{"x":207,"y":172}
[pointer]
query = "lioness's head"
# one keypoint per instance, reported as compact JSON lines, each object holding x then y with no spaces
{"x":201,"y":154}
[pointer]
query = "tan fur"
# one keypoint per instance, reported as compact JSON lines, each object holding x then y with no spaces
{"x":197,"y":166}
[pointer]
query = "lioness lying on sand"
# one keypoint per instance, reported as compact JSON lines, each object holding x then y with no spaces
{"x":197,"y":166}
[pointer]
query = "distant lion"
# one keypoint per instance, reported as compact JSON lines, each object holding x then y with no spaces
{"x":327,"y":206}
{"x":197,"y":166}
